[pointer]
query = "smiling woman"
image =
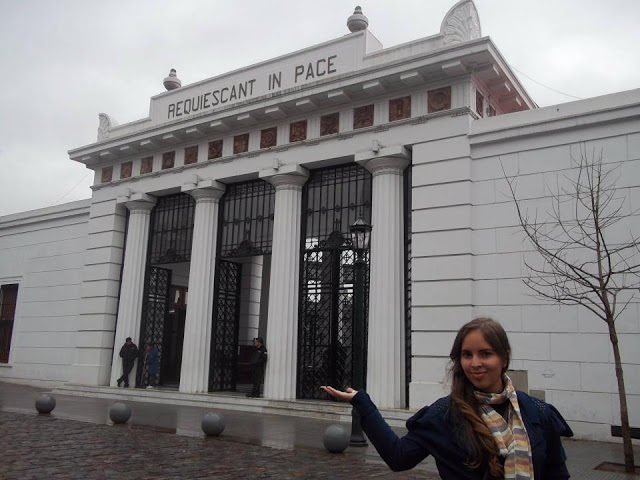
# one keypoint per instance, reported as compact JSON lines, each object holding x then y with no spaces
{"x":484,"y":429}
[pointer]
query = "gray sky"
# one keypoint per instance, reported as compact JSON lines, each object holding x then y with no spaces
{"x":65,"y":61}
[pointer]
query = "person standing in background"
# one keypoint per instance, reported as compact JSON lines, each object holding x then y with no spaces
{"x":152,"y":364}
{"x":128,"y":353}
{"x":258,"y":362}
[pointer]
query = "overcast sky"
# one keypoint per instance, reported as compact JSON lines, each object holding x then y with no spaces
{"x":64,"y":61}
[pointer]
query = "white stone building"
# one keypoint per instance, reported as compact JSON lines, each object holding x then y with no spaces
{"x":223,"y":215}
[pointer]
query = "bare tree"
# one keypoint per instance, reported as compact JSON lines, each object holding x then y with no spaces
{"x":582,"y":260}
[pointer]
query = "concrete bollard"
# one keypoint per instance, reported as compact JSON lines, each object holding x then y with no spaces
{"x":45,"y":403}
{"x":213,"y":424}
{"x":335,"y":439}
{"x":119,"y":412}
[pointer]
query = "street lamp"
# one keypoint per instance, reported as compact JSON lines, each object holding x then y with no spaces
{"x":360,"y":237}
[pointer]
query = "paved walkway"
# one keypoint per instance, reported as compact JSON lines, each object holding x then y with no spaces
{"x":165,"y":442}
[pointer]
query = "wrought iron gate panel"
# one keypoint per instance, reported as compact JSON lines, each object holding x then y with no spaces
{"x":172,"y":229}
{"x":247,"y":219}
{"x":407,"y":277}
{"x":334,"y":198}
{"x":154,"y":313}
{"x":223,"y":367}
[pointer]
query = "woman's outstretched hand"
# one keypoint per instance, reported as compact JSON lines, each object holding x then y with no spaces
{"x":345,"y":396}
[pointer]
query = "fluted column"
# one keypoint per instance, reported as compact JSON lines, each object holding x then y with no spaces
{"x":196,"y":349}
{"x":132,"y":286}
{"x":282,"y":329}
{"x":386,"y":346}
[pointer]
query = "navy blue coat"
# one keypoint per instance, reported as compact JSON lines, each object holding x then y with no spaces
{"x":433,"y":431}
{"x":153,"y":365}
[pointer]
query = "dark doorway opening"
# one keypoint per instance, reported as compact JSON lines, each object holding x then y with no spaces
{"x":244,"y":242}
{"x":165,"y":292}
{"x":173,"y":337}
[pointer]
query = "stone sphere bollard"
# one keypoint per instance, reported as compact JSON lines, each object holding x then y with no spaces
{"x":120,"y":412}
{"x":45,"y":403}
{"x":335,"y":439}
{"x":212,"y":424}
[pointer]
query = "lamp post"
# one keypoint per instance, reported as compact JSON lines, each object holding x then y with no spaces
{"x":360,"y":236}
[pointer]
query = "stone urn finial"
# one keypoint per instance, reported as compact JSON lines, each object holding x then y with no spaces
{"x":172,"y":81}
{"x":358,"y":21}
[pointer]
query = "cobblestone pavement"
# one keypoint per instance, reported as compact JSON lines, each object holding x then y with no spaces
{"x":46,"y":447}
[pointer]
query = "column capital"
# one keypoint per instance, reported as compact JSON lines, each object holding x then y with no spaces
{"x":286,"y":177}
{"x":393,"y":159}
{"x":204,"y":190}
{"x":137,"y":202}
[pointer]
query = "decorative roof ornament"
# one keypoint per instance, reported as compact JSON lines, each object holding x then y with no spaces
{"x":172,"y":81}
{"x":358,"y":21}
{"x":105,"y":124}
{"x":461,"y":23}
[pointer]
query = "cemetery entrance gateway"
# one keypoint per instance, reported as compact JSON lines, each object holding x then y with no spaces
{"x":333,"y":199}
{"x":245,"y":230}
{"x":163,"y":316}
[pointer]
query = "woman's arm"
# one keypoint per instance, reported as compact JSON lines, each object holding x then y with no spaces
{"x":554,"y":427}
{"x":399,"y":453}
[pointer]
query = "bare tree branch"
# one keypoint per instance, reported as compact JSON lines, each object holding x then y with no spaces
{"x":580,"y":265}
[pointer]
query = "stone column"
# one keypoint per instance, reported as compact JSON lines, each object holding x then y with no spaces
{"x":132,"y":286}
{"x":282,"y":330}
{"x":386,"y":348}
{"x":196,"y":349}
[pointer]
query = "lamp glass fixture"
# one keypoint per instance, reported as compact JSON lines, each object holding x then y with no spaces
{"x":360,"y":234}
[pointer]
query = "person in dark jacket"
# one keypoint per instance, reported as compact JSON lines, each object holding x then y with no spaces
{"x":129,"y":353}
{"x":258,"y":361}
{"x":484,"y":430}
{"x":152,"y":364}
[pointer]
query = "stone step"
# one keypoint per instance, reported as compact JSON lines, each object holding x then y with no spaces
{"x":339,"y":412}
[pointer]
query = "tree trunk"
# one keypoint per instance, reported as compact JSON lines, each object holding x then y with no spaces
{"x":629,"y":464}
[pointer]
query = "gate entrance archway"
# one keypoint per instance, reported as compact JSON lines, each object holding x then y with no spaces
{"x":165,"y":288}
{"x":333,"y":199}
{"x":239,"y":310}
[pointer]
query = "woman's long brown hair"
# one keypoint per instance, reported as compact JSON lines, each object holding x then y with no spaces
{"x":474,"y":433}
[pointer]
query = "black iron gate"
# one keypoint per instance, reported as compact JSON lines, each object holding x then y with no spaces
{"x":154,"y":313}
{"x":223,"y":366}
{"x":334,"y":199}
{"x":245,"y":230}
{"x":407,"y":278}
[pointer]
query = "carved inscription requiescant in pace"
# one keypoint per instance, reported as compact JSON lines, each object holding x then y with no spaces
{"x":303,"y":72}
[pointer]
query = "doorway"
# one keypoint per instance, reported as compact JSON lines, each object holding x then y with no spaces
{"x":240,"y":297}
{"x":165,"y":291}
{"x":333,"y":199}
{"x":173,"y":337}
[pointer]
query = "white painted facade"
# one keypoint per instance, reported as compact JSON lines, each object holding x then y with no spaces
{"x":43,"y":252}
{"x":467,"y":246}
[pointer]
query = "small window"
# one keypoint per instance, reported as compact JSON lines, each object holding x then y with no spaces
{"x":8,"y":301}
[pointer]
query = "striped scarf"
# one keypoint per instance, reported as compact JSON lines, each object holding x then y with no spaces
{"x":511,"y":437}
